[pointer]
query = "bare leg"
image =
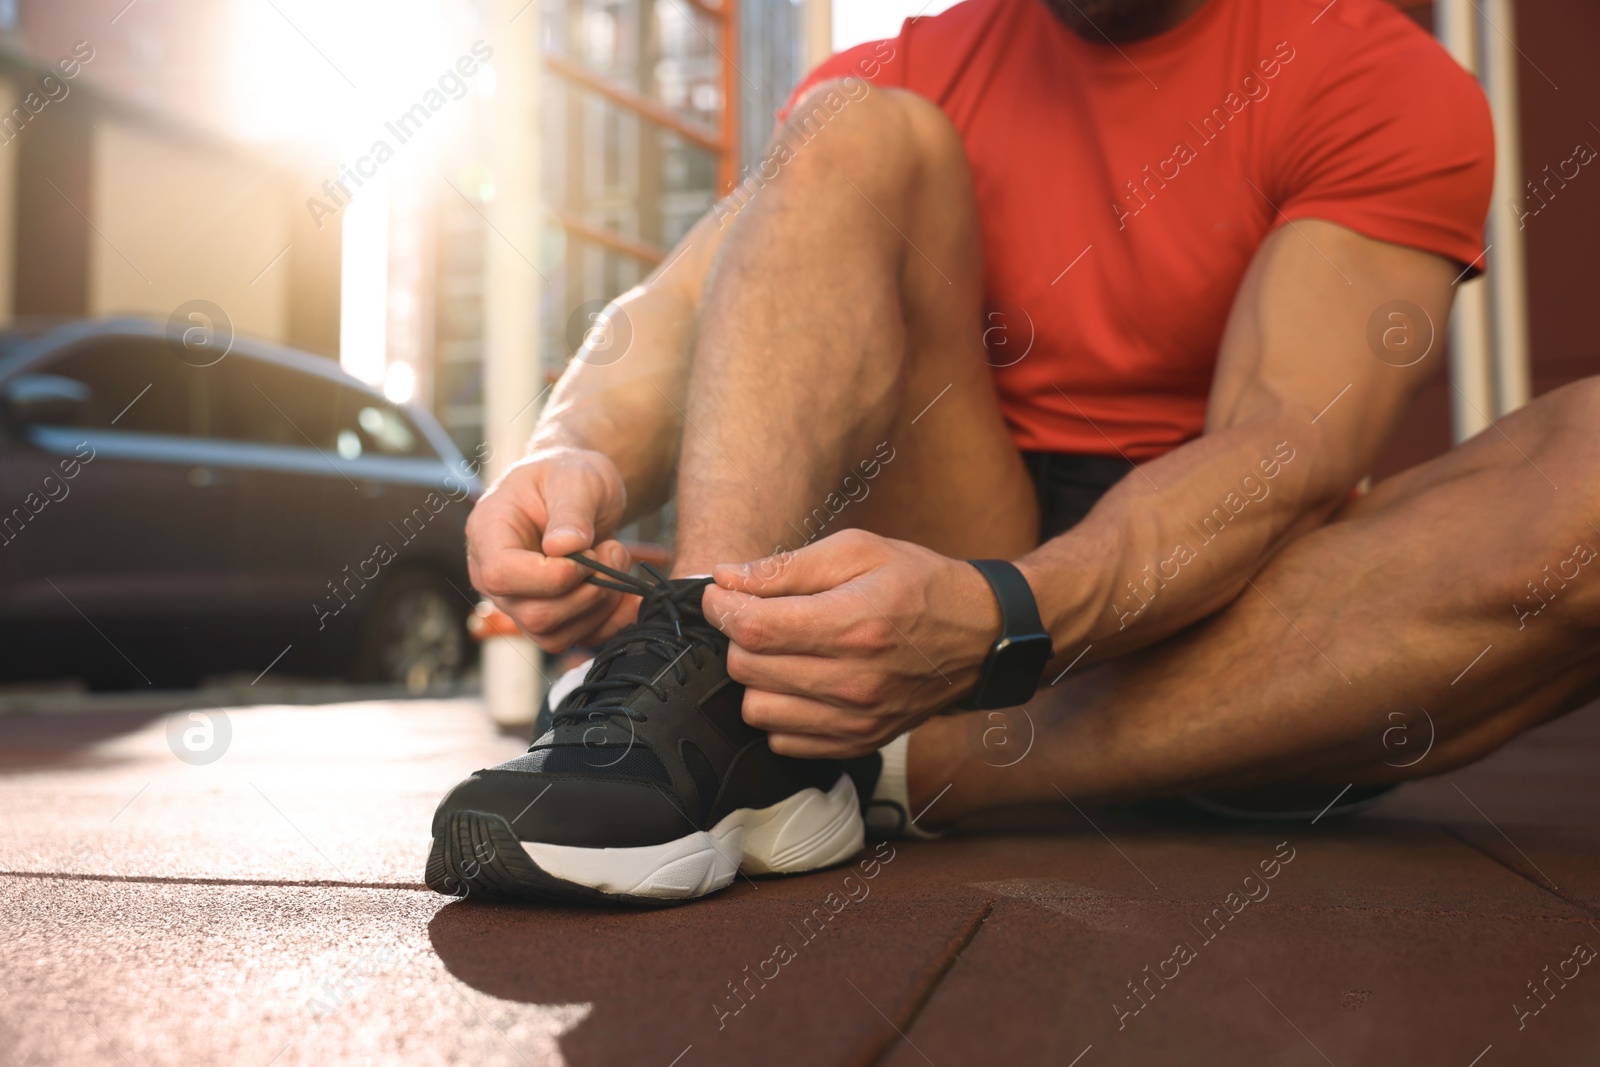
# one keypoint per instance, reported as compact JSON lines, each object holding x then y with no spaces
{"x":846,"y":300}
{"x":1387,"y":609}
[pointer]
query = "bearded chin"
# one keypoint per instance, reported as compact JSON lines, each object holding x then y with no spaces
{"x":1118,"y":20}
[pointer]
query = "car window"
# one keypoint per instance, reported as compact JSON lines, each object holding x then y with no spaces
{"x":267,"y":403}
{"x":135,"y":384}
{"x":385,"y":430}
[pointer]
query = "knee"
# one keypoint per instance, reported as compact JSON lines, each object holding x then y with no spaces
{"x":1568,"y":455}
{"x":892,"y":145}
{"x":1574,"y":416}
{"x":1580,"y":401}
{"x":898,"y":129}
{"x":1557,"y":433}
{"x":1569,"y":415}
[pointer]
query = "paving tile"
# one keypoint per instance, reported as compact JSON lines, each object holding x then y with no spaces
{"x":1534,"y":806}
{"x":1410,"y":915}
{"x":1566,"y":859}
{"x":660,"y":981}
{"x":107,"y":971}
{"x":132,"y":973}
{"x":1350,"y":864}
{"x":1046,"y":982}
{"x":1403,"y":936}
{"x":340,"y":793}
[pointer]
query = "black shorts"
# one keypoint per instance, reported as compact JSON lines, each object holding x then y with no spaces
{"x":1069,"y":485}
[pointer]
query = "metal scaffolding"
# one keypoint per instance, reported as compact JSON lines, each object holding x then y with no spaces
{"x":1489,"y":352}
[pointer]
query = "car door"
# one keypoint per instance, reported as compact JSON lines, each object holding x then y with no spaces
{"x":309,"y":459}
{"x":148,"y":530}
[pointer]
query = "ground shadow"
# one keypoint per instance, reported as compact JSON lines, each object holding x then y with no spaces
{"x":48,"y":742}
{"x":660,"y":980}
{"x":644,"y":973}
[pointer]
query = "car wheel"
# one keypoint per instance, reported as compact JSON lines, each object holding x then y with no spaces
{"x":416,"y":633}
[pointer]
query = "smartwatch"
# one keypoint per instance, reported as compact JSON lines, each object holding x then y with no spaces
{"x":1017,"y":659}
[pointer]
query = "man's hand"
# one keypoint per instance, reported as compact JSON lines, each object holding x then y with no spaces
{"x":848,"y":642}
{"x":552,"y":503}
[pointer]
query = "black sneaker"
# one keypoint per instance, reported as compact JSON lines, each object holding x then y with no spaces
{"x":648,"y":787}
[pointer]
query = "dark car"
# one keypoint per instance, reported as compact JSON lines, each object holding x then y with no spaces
{"x":171,"y":510}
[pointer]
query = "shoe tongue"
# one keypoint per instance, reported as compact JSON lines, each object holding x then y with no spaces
{"x":642,"y":653}
{"x":654,"y":608}
{"x":638,"y":659}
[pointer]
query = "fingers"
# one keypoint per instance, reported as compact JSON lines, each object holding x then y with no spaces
{"x":546,"y":619}
{"x":833,"y":623}
{"x":827,"y":563}
{"x":550,"y":505}
{"x":785,"y":713}
{"x":794,"y":625}
{"x":575,"y":501}
{"x":544,"y":509}
{"x":806,"y":728}
{"x":805,"y":746}
{"x":823,"y":678}
{"x":578,"y":613}
{"x":585,"y":629}
{"x":502,"y":566}
{"x":626,"y":611}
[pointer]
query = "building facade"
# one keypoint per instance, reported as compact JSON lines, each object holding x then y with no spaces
{"x":634,"y":150}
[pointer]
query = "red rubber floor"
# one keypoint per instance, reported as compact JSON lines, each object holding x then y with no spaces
{"x":266,"y":909}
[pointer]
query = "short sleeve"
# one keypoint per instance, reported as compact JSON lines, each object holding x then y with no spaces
{"x":878,"y":62}
{"x":1396,"y":143}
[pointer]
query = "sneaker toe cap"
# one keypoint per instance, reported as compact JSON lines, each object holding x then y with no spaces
{"x":569,"y":809}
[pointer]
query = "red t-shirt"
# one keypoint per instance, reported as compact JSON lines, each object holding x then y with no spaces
{"x":1122,"y":191}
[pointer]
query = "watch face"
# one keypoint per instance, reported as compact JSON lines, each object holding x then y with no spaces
{"x":1019,"y":664}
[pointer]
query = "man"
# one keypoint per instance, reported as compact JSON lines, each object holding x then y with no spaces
{"x":1127,"y":292}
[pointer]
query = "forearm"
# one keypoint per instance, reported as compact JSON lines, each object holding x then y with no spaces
{"x":624,"y":393}
{"x":1179,"y":538}
{"x":625,"y":409}
{"x":1299,"y":408}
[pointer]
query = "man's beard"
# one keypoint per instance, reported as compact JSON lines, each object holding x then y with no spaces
{"x":1118,"y":20}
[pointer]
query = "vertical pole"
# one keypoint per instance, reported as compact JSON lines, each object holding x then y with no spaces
{"x":818,"y":32}
{"x":1472,"y":393}
{"x":364,"y":283}
{"x":728,"y":171}
{"x":10,"y":98}
{"x":410,"y":297}
{"x":513,"y":377}
{"x":651,"y":173}
{"x":1508,"y":281}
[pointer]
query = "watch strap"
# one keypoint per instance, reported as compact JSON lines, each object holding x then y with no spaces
{"x":1019,"y":618}
{"x":1019,"y":611}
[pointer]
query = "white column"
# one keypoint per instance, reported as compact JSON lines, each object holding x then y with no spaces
{"x":818,"y":16}
{"x":9,"y":98}
{"x":364,"y":283}
{"x":407,"y":376}
{"x":1508,"y":281}
{"x":1472,"y":393}
{"x":513,"y":376}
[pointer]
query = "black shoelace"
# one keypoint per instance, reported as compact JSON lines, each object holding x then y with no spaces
{"x":665,"y":609}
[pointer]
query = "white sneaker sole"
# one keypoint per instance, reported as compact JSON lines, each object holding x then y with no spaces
{"x":808,"y":830}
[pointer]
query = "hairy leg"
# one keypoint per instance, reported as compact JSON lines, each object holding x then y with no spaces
{"x":845,"y":302}
{"x":1412,"y":611}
